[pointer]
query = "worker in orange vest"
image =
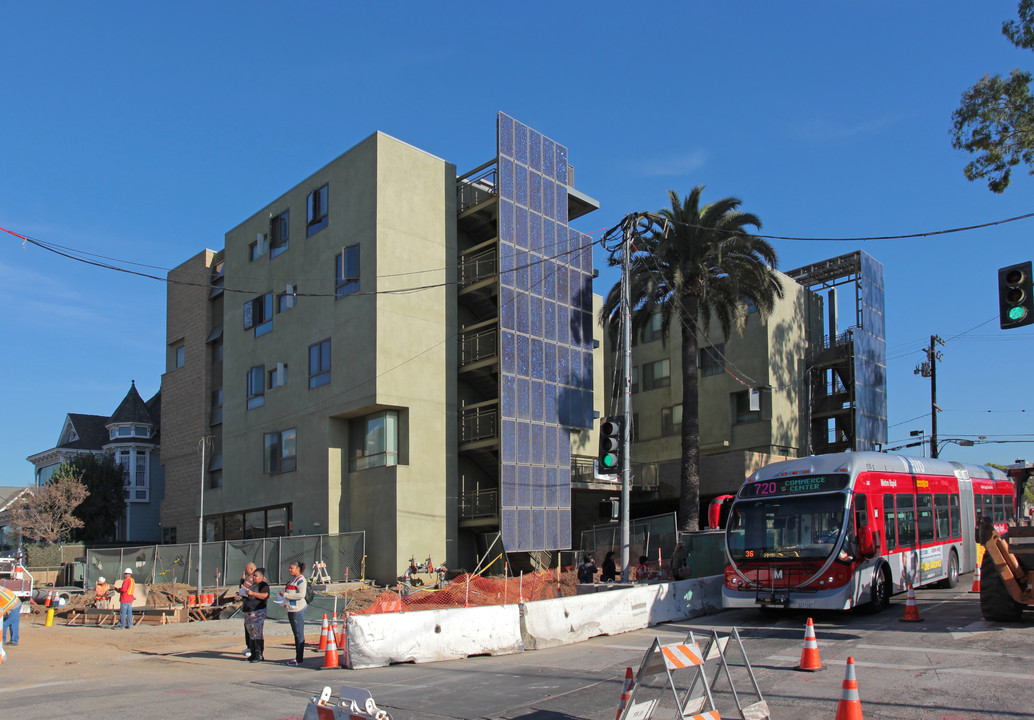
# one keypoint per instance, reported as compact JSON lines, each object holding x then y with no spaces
{"x":100,"y":592}
{"x":126,"y":598}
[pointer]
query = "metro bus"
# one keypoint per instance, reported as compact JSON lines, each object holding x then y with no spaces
{"x":846,"y":530}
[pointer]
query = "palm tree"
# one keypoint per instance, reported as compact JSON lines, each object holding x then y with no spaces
{"x":703,"y":267}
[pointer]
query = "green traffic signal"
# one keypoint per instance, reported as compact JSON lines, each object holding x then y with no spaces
{"x":1015,"y":296}
{"x":1017,"y":313}
{"x":612,"y":438}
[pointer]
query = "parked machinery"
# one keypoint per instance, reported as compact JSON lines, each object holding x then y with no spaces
{"x":1007,"y":572}
{"x":410,"y":579}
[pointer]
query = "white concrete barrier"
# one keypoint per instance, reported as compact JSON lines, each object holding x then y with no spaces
{"x":549,"y":623}
{"x":430,"y":635}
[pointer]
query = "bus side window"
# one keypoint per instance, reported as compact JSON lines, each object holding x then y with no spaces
{"x":987,"y":511}
{"x":924,"y":517}
{"x":889,"y":532}
{"x":906,"y":521}
{"x":956,"y":516}
{"x":999,"y":506}
{"x":940,"y":504}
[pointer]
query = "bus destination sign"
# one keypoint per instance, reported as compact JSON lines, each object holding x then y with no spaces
{"x":796,"y":485}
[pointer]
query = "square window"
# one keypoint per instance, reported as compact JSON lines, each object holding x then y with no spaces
{"x":712,"y":360}
{"x":258,"y":314}
{"x":317,"y":211}
{"x":373,"y":441}
{"x":671,"y":420}
{"x":346,"y":271}
{"x":657,"y":375}
{"x":278,"y":234}
{"x":319,"y":363}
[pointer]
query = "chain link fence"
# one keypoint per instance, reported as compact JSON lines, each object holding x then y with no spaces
{"x":655,"y":537}
{"x":222,"y":563}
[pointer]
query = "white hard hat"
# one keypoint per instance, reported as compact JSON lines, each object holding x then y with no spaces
{"x":129,"y":571}
{"x":100,"y":579}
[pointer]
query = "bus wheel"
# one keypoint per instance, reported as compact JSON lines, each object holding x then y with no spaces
{"x":953,"y":572}
{"x":880,"y":590}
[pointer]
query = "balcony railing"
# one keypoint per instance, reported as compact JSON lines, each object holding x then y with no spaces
{"x":478,"y":345}
{"x":477,"y":186}
{"x":481,"y":423}
{"x":484,"y":503}
{"x":474,"y":268}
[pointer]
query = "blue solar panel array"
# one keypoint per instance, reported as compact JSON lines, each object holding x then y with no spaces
{"x":870,"y":360}
{"x":545,"y":308}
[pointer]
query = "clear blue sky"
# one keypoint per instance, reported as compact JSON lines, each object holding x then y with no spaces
{"x":144,"y":131}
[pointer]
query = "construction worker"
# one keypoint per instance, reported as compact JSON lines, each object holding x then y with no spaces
{"x":100,"y":592}
{"x":126,"y":598}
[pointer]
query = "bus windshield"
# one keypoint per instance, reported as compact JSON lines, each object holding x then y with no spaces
{"x":798,"y":527}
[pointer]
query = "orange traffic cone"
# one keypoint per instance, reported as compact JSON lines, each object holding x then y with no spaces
{"x":911,"y":609}
{"x":850,"y":707}
{"x":625,"y":692}
{"x":976,"y":581}
{"x":50,"y":598}
{"x":323,"y":634}
{"x":330,"y":658}
{"x":810,"y":654}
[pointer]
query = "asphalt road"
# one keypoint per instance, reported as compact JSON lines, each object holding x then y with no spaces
{"x":951,"y":666}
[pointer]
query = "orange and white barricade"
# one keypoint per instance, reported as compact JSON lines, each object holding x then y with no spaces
{"x":668,"y":659}
{"x":352,"y":704}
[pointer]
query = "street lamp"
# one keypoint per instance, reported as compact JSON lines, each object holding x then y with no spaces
{"x":922,"y":442}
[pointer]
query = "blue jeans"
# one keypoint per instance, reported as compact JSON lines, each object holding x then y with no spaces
{"x":125,"y":615}
{"x":297,"y":621}
{"x":11,"y":622}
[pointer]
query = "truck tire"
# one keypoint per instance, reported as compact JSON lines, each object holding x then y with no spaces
{"x":995,"y":603}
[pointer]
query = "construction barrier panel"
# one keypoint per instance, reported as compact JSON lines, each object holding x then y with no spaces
{"x":561,"y":621}
{"x":441,"y":634}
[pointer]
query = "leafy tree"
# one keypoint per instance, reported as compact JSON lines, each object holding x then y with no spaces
{"x":704,"y":266}
{"x":995,"y":121}
{"x":105,"y":479}
{"x":47,"y":514}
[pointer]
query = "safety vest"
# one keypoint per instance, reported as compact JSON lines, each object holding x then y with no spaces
{"x":7,"y":600}
{"x":100,"y":590}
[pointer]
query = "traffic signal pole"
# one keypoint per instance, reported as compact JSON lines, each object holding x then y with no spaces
{"x":628,"y":226}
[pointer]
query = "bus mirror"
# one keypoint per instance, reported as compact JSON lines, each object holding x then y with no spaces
{"x":866,"y":544}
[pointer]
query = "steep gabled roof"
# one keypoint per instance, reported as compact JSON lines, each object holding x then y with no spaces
{"x":91,"y":431}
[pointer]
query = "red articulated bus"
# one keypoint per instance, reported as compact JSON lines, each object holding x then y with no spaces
{"x":851,"y":529}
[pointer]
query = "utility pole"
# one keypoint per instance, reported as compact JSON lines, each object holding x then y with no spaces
{"x":628,"y":226}
{"x":203,"y":443}
{"x":929,"y":369}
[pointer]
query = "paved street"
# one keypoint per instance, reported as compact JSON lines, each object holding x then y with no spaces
{"x":951,"y":666}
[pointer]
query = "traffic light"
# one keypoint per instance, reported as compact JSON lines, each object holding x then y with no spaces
{"x":1015,"y":296}
{"x":612,"y":445}
{"x":610,"y":509}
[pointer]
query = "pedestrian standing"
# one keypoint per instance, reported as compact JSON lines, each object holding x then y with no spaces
{"x":242,"y":590}
{"x":587,"y":570}
{"x":294,"y":602}
{"x":126,"y":598}
{"x":255,"y":613}
{"x":12,"y":618}
{"x":609,"y":571}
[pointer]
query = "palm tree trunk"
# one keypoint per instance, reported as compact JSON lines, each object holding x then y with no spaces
{"x":689,"y":490}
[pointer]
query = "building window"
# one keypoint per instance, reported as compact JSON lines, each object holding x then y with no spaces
{"x":346,"y":271}
{"x":278,"y":376}
{"x":747,"y":405}
{"x":278,"y":232}
{"x":258,"y":248}
{"x":317,"y":217}
{"x":319,"y":364}
{"x":280,"y":450}
{"x":140,"y":472}
{"x":671,"y":420}
{"x":287,"y":299}
{"x":657,"y":375}
{"x":256,"y":386}
{"x":712,"y":360}
{"x":635,"y":379}
{"x":373,"y":440}
{"x":141,"y":431}
{"x":125,"y":432}
{"x":177,"y":356}
{"x":258,"y":314}
{"x":652,"y":331}
{"x":217,"y":407}
{"x":215,"y":471}
{"x":168,"y":536}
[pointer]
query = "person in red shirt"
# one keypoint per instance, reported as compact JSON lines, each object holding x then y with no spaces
{"x":126,"y":598}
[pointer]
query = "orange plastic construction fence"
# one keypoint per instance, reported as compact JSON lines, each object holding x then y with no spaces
{"x":473,"y":590}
